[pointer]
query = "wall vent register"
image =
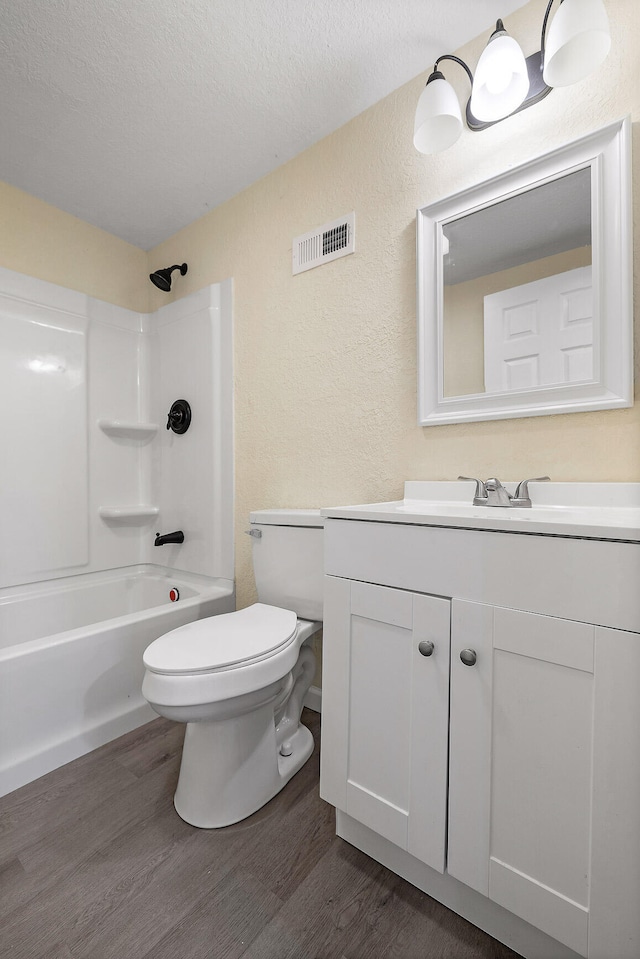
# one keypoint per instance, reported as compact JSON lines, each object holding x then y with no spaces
{"x":327,"y":242}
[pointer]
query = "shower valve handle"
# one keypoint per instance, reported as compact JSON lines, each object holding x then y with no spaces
{"x":179,"y":417}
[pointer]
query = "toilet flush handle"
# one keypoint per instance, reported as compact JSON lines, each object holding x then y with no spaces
{"x":256,"y":533}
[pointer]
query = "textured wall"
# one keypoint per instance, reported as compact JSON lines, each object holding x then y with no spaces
{"x":40,"y":240}
{"x":325,"y":362}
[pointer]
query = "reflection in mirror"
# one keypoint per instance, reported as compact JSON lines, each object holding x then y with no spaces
{"x":517,"y":291}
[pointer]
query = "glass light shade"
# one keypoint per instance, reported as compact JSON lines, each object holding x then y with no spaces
{"x":577,"y":42}
{"x":438,"y":118}
{"x":501,"y":81}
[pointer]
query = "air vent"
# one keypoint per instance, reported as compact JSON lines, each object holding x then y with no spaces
{"x":326,"y":243}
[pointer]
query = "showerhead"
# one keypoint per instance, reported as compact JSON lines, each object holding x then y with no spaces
{"x":162,"y":278}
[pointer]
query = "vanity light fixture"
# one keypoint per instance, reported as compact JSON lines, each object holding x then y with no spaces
{"x":576,"y":42}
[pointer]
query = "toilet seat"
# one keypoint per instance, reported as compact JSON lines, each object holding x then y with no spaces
{"x":224,"y":642}
{"x":207,"y":668}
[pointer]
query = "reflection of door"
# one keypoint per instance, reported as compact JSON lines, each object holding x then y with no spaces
{"x":540,"y":333}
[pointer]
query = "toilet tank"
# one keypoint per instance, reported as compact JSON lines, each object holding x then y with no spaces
{"x":288,"y":559}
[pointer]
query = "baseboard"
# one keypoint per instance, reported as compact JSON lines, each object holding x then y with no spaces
{"x":313,"y":699}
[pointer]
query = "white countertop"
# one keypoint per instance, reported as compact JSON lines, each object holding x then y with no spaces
{"x":592,"y":510}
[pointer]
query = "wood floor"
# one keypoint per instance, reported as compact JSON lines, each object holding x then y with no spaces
{"x":96,"y":864}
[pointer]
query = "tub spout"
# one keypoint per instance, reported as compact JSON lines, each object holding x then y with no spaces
{"x":177,"y":537}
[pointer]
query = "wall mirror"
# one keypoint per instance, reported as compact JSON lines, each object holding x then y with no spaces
{"x":525,"y":288}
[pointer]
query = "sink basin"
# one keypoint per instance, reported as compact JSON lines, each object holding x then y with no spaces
{"x":591,"y":510}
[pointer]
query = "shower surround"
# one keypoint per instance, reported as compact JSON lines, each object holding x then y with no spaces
{"x":91,"y":474}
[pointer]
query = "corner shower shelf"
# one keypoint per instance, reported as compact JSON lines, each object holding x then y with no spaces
{"x":132,"y":430}
{"x":127,"y":512}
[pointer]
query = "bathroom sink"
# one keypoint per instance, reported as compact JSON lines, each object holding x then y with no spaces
{"x":592,"y":510}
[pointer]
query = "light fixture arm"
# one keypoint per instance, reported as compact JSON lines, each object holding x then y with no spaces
{"x":450,"y":56}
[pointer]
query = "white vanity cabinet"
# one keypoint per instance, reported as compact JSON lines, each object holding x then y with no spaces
{"x":514,"y":775}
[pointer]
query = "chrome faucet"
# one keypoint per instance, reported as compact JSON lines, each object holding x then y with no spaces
{"x":492,"y":492}
{"x":497,"y":495}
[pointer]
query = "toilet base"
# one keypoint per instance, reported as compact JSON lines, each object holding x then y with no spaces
{"x":231,"y":768}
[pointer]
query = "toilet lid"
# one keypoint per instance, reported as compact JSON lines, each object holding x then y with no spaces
{"x":229,"y":639}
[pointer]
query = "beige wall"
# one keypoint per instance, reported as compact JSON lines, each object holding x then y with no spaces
{"x":42,"y":241}
{"x":463,"y":316}
{"x":325,"y":362}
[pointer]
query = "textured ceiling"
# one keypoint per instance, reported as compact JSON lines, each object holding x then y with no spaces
{"x":141,"y":116}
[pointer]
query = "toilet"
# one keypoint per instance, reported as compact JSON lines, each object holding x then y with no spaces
{"x":238,"y":680}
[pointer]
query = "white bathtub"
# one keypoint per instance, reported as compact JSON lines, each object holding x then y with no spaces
{"x":71,"y":659}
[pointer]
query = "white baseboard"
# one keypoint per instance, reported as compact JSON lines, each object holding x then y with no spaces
{"x":313,"y":699}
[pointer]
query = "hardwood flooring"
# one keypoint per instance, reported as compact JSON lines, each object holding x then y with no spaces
{"x":96,"y":864}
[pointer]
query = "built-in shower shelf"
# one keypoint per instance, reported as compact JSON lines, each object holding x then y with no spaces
{"x":124,"y":513}
{"x":132,"y":430}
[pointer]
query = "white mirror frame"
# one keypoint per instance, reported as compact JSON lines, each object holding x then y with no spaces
{"x":608,"y":154}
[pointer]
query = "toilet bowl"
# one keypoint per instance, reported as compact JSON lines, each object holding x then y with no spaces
{"x":238,"y":680}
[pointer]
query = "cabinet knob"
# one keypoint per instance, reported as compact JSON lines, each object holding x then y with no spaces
{"x":468,"y":657}
{"x":425,"y":648}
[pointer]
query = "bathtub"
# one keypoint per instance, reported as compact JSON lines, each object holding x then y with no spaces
{"x":71,"y":659}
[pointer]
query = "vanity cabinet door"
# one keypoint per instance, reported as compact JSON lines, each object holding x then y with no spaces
{"x":385,"y":712}
{"x":521,"y":764}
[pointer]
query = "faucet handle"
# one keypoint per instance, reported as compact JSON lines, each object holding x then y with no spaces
{"x":481,"y":496}
{"x":521,"y":496}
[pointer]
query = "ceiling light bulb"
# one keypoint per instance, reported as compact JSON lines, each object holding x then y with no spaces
{"x":438,"y":122}
{"x":577,"y":42}
{"x":501,"y":82}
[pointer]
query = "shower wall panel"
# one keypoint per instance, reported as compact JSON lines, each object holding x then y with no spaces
{"x":86,"y":480}
{"x":44,"y":477}
{"x":66,"y":361}
{"x":119,"y":464}
{"x":192,"y":475}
